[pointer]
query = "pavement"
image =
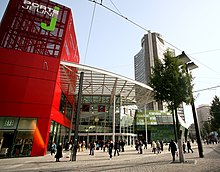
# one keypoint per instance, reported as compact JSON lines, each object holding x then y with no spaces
{"x":128,"y":161}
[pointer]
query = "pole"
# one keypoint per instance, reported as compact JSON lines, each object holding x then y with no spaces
{"x":145,"y":120}
{"x":198,"y":137}
{"x":113,"y":122}
{"x":73,"y":157}
{"x":87,"y":139}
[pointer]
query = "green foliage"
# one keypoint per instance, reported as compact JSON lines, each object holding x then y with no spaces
{"x":215,"y":113}
{"x":171,"y":82}
{"x":206,"y":129}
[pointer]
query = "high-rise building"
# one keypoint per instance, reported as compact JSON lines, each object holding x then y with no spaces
{"x":152,"y":46}
{"x":35,"y":106}
{"x":203,"y":114}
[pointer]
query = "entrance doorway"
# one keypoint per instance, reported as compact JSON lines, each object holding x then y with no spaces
{"x":6,"y":139}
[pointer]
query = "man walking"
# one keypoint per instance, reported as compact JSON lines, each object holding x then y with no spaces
{"x":116,"y":147}
{"x":110,"y":148}
{"x":189,"y":148}
{"x":173,"y":149}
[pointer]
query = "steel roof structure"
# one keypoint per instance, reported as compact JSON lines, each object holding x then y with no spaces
{"x":100,"y":82}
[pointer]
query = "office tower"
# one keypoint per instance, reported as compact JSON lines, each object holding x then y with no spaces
{"x":152,"y":46}
{"x":203,"y":114}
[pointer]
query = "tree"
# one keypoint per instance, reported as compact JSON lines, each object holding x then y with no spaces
{"x":171,"y":84}
{"x":206,"y":129}
{"x":215,"y":113}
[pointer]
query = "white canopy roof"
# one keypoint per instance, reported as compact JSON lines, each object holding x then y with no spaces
{"x":100,"y":82}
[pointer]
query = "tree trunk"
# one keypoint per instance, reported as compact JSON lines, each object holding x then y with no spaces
{"x":181,"y":156}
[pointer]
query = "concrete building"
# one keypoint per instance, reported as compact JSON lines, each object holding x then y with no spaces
{"x":203,"y":114}
{"x":152,"y":46}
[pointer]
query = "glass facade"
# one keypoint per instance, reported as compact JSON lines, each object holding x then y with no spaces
{"x":16,"y":136}
{"x":58,"y":134}
{"x":65,"y":106}
{"x":159,"y":125}
{"x":96,"y":119}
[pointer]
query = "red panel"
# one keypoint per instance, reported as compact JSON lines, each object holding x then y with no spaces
{"x":41,"y":137}
{"x":27,"y":82}
{"x":58,"y":117}
{"x":24,"y":109}
{"x":70,"y":49}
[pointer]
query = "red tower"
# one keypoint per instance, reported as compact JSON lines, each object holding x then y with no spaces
{"x":35,"y":109}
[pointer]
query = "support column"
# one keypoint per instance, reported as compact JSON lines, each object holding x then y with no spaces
{"x":75,"y":141}
{"x":145,"y":121}
{"x":113,"y":121}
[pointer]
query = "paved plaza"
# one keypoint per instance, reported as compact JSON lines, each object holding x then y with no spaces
{"x":128,"y":161}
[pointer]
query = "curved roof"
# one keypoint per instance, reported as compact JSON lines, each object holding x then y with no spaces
{"x":101,"y":82}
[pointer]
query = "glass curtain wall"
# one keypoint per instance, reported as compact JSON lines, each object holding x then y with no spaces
{"x":96,"y":119}
{"x":16,"y":136}
{"x":58,"y":134}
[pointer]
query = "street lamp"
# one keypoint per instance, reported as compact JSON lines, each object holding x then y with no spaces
{"x":190,"y":66}
{"x":87,"y":140}
{"x":96,"y":121}
{"x":145,"y":121}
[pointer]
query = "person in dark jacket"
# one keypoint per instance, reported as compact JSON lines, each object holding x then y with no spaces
{"x":173,"y":149}
{"x":92,"y":148}
{"x":59,"y":153}
{"x":116,"y":147}
{"x":110,"y":148}
{"x":184,"y":147}
{"x":189,"y":148}
{"x":53,"y":148}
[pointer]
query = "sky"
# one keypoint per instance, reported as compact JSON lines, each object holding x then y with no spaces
{"x":110,"y":42}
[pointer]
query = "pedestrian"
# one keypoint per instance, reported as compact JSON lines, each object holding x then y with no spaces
{"x":161,"y":145}
{"x":140,"y":147}
{"x":70,"y":145}
{"x":110,"y":148}
{"x":153,"y":145}
{"x":145,"y":144}
{"x":184,"y":147}
{"x":92,"y":148}
{"x":59,"y":153}
{"x":116,"y":147}
{"x":173,"y":149}
{"x":189,"y":148}
{"x":123,"y":145}
{"x":53,"y":148}
{"x":136,"y":145}
{"x":158,"y":146}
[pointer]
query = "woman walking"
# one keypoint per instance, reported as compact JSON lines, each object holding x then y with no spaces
{"x":59,"y":153}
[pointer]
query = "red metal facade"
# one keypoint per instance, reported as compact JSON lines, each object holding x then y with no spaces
{"x":30,"y":65}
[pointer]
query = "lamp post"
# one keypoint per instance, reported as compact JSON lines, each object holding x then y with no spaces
{"x":75,"y":141}
{"x":145,"y":121}
{"x":190,"y":66}
{"x":87,"y":139}
{"x":96,"y":121}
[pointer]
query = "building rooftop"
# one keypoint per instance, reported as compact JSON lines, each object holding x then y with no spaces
{"x":101,"y":82}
